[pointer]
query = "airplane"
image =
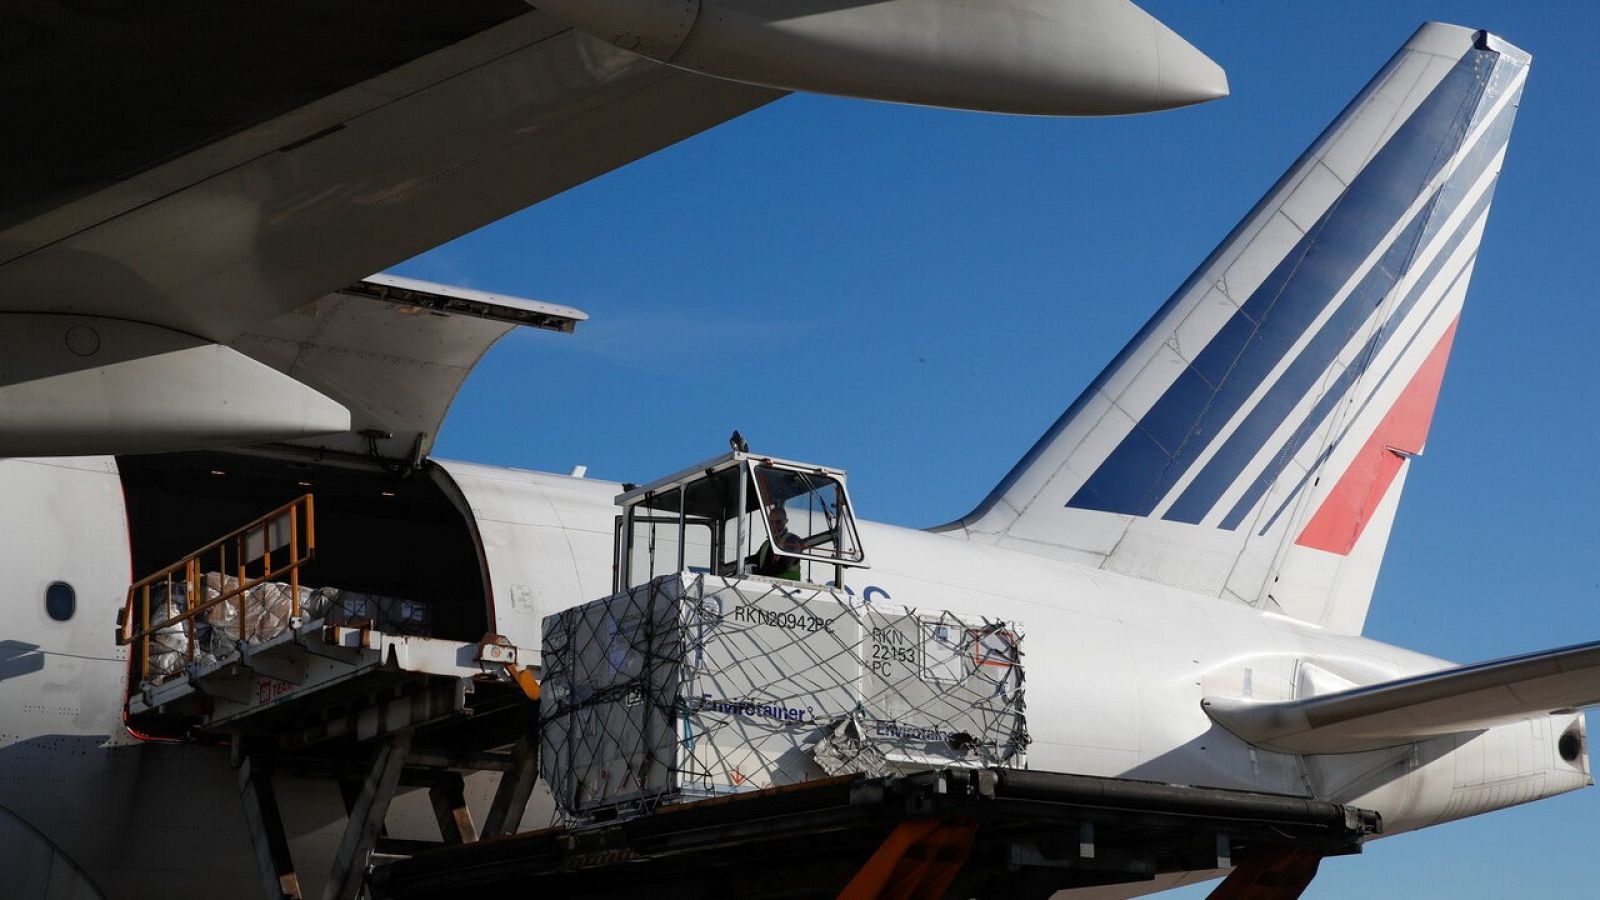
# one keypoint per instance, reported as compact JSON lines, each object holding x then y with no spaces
{"x":184,"y":242}
{"x":94,"y":490}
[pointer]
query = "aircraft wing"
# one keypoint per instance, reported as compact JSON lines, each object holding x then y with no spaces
{"x":191,"y":170}
{"x":1451,"y":701}
{"x":195,"y":170}
{"x":206,"y":166}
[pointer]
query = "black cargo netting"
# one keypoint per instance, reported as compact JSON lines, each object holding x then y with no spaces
{"x":696,"y":685}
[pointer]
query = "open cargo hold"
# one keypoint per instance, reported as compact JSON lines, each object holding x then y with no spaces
{"x":380,"y":534}
{"x":355,"y":689}
{"x":323,"y":620}
{"x":695,"y":685}
{"x":401,"y":554}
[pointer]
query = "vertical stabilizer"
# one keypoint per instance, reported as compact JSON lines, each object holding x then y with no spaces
{"x":1252,"y":441}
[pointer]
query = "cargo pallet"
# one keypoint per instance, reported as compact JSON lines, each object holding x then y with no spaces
{"x":986,"y":833}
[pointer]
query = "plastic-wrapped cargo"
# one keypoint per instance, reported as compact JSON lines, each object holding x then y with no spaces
{"x":268,"y":608}
{"x":391,"y":615}
{"x":169,"y":643}
{"x":695,"y":685}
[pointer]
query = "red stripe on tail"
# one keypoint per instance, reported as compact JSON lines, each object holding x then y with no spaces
{"x":1345,"y":512}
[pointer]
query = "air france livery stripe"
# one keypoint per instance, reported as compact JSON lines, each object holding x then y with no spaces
{"x":1181,"y":462}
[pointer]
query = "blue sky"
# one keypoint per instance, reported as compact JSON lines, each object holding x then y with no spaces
{"x":932,"y":288}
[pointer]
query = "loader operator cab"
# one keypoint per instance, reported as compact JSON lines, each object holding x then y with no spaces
{"x":736,"y":515}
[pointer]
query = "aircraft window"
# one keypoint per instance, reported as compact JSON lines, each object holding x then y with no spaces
{"x":807,"y":516}
{"x":60,"y":601}
{"x":738,"y":515}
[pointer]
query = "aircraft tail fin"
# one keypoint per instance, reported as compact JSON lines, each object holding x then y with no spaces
{"x":1253,"y":439}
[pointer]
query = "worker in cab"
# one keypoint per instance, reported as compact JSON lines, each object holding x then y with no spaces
{"x":772,"y":564}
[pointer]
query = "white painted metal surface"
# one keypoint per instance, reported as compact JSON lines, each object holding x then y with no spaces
{"x":1452,"y":701}
{"x":546,"y":539}
{"x":234,"y":234}
{"x":1039,"y":57}
{"x":85,"y":384}
{"x":37,"y":868}
{"x":68,"y":767}
{"x":220,"y":240}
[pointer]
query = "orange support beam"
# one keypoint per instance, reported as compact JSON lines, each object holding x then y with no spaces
{"x":1284,"y":875}
{"x":918,"y":859}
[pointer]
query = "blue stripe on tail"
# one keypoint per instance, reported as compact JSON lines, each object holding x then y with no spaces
{"x":1183,"y":423}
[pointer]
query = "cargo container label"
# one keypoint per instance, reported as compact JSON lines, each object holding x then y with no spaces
{"x":891,"y":654}
{"x":752,"y":709}
{"x":270,"y":689}
{"x":755,"y":615}
{"x":909,"y":732}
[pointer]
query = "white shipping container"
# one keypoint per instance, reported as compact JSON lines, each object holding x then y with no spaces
{"x":696,"y":685}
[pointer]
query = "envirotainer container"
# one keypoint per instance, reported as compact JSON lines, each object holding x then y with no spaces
{"x":694,"y":685}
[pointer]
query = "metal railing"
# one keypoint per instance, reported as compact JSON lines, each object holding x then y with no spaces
{"x":270,"y":549}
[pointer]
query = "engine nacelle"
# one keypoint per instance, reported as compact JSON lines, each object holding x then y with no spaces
{"x":1035,"y":57}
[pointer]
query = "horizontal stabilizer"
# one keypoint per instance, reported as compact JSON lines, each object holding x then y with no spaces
{"x":1467,"y":698}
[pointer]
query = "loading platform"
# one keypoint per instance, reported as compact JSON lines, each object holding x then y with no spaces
{"x":987,"y":833}
{"x":227,"y":646}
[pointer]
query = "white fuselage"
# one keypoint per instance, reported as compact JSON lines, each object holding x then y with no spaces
{"x":1115,"y":669}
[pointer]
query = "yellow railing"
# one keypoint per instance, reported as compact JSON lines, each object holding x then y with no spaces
{"x":269,"y":549}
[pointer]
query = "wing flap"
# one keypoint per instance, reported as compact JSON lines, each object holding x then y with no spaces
{"x":395,"y":351}
{"x":1451,"y":701}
